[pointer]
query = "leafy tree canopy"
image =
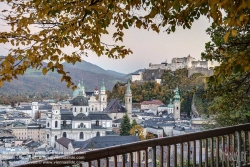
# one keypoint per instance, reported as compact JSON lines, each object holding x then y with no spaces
{"x":140,"y":131}
{"x":81,"y":24}
{"x":229,"y":88}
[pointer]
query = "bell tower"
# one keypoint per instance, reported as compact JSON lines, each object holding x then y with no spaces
{"x":128,"y":101}
{"x":177,"y":105}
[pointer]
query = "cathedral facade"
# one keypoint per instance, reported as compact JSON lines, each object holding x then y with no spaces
{"x":83,"y":120}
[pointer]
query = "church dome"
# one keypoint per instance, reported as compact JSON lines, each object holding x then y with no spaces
{"x":80,"y":101}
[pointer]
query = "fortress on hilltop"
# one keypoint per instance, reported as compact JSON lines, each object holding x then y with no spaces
{"x":155,"y":71}
{"x":184,"y":62}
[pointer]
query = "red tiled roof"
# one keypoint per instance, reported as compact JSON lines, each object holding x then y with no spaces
{"x":156,"y":102}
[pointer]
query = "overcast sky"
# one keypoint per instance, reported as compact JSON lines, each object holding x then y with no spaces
{"x":150,"y":47}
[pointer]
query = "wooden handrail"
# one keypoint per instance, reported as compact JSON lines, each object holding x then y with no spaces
{"x":143,"y":145}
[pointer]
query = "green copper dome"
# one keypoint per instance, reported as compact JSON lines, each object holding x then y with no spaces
{"x":170,"y":105}
{"x":103,"y":87}
{"x":177,"y":96}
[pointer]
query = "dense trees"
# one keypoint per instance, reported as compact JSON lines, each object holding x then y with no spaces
{"x":152,"y":90}
{"x":229,"y":88}
{"x":81,"y":24}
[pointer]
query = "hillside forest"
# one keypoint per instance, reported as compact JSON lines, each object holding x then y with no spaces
{"x":189,"y":88}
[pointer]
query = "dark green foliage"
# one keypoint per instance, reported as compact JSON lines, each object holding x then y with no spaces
{"x":125,"y":126}
{"x":134,"y":123}
{"x":229,"y":88}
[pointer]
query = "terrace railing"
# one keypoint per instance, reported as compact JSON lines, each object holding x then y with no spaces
{"x":228,"y":146}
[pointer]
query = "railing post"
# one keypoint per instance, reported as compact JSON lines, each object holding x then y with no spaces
{"x":154,"y":156}
{"x":239,"y":148}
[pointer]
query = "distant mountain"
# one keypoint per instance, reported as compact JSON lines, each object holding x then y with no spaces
{"x":91,"y":75}
{"x":86,"y":66}
{"x":116,"y":74}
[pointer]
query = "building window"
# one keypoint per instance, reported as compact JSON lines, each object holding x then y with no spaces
{"x":47,"y":136}
{"x":97,"y":123}
{"x":64,"y":134}
{"x":176,"y":108}
{"x":48,"y":124}
{"x":75,"y":109}
{"x":64,"y":123}
{"x":81,"y":135}
{"x":86,"y":109}
{"x":81,"y":109}
{"x":81,"y":125}
{"x":55,"y":124}
{"x":55,"y":137}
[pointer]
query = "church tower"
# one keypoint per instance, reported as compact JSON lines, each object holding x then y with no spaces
{"x":177,"y":105}
{"x":102,"y":97}
{"x":128,"y":101}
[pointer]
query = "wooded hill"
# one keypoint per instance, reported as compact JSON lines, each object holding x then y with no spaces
{"x":164,"y":91}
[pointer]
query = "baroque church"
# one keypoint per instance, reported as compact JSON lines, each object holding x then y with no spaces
{"x":85,"y":118}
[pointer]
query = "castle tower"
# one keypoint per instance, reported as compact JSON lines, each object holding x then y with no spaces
{"x":177,"y":104}
{"x":189,"y":61}
{"x":128,"y":101}
{"x":102,"y":97}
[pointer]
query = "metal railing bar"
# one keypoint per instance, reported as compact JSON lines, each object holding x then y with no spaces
{"x":161,"y":156}
{"x":244,"y":147}
{"x":217,"y":151}
{"x":168,"y":155}
{"x":138,"y":158}
{"x":131,"y":161}
{"x":194,"y":153}
{"x":175,"y":155}
{"x":223,"y":151}
{"x":146,"y":158}
{"x":115,"y":160}
{"x":107,"y":162}
{"x":200,"y":153}
{"x":206,"y":152}
{"x":228,"y":150}
{"x":181,"y":155}
{"x":212,"y":151}
{"x":188,"y":154}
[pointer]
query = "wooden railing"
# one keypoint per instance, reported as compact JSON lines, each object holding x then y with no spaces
{"x":227,"y":146}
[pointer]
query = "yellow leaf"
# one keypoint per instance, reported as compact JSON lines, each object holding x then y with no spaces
{"x":44,"y":71}
{"x":234,"y":33}
{"x":226,"y":36}
{"x":242,"y":17}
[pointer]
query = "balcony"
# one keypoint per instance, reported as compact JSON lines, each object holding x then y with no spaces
{"x":229,"y":146}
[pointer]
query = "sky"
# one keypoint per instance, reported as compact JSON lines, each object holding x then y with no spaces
{"x":149,"y":47}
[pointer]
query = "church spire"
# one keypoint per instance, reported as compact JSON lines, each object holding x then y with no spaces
{"x":128,"y":90}
{"x":103,"y":87}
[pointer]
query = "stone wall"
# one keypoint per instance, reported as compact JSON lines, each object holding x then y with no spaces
{"x":205,"y":71}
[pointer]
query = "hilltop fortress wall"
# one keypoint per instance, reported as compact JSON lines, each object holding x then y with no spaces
{"x":204,"y":71}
